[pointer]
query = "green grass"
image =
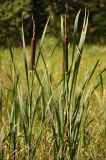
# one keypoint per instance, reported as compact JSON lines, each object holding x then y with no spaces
{"x":91,"y":54}
{"x":45,"y":114}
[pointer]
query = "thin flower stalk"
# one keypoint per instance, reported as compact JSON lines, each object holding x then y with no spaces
{"x":33,"y":47}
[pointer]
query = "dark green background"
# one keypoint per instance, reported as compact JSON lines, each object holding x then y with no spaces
{"x":11,"y":18}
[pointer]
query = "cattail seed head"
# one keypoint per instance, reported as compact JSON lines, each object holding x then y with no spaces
{"x":32,"y":53}
{"x":33,"y":47}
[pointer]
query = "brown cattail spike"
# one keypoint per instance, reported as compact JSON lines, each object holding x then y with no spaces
{"x":66,"y":41}
{"x":33,"y":47}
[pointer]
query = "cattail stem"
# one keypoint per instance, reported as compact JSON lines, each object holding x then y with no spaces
{"x":33,"y":47}
{"x":66,"y":42}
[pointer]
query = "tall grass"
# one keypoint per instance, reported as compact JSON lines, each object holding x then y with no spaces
{"x":47,"y":123}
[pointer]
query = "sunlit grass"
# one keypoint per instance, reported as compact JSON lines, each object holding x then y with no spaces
{"x":91,"y":54}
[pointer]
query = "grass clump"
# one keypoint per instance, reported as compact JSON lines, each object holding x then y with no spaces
{"x":40,"y":120}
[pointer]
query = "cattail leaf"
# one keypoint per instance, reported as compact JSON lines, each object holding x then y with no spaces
{"x":55,"y":47}
{"x":84,"y":22}
{"x":1,"y":143}
{"x":79,"y":55}
{"x":76,"y":22}
{"x":0,"y":106}
{"x":38,"y":78}
{"x":41,"y":42}
{"x":90,"y":76}
{"x":44,"y":32}
{"x":23,"y":115}
{"x":58,"y":121}
{"x":35,"y":108}
{"x":74,"y":41}
{"x":101,"y":72}
{"x":61,"y":111}
{"x":44,"y":63}
{"x":75,"y":36}
{"x":37,"y":59}
{"x":12,"y":57}
{"x":51,"y":117}
{"x":83,"y":33}
{"x":25,"y":54}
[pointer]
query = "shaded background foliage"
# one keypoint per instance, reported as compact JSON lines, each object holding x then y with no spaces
{"x":11,"y":18}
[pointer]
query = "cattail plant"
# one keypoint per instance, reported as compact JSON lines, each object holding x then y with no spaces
{"x":33,"y":47}
{"x":39,"y":121}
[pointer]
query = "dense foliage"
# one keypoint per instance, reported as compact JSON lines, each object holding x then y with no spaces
{"x":11,"y":18}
